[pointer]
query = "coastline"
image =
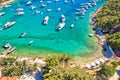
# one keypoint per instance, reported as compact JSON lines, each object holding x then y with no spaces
{"x":7,"y":2}
{"x":82,"y":58}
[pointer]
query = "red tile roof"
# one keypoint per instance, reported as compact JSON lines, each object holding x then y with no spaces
{"x":9,"y":78}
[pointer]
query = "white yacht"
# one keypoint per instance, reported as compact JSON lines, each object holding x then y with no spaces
{"x":91,"y":35}
{"x":93,"y":3}
{"x":46,"y":20}
{"x":30,"y":42}
{"x":43,"y":5}
{"x":8,"y":25}
{"x":32,"y":7}
{"x":20,"y":13}
{"x":41,"y":1}
{"x":60,"y":26}
{"x":89,"y":4}
{"x":72,"y":1}
{"x":56,"y":0}
{"x":49,"y":2}
{"x":65,"y":1}
{"x":19,"y":9}
{"x":6,"y":6}
{"x":78,"y":9}
{"x":22,"y":35}
{"x":49,"y":10}
{"x":72,"y":25}
{"x":62,"y":18}
{"x":37,"y":12}
{"x":2,"y":13}
{"x":6,"y":45}
{"x":28,"y":3}
{"x":58,"y":9}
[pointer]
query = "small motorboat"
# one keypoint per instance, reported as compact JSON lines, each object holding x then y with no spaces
{"x":72,"y":1}
{"x":19,"y":9}
{"x":65,"y":1}
{"x":91,"y":35}
{"x":41,"y":1}
{"x":28,"y":3}
{"x":22,"y":35}
{"x":32,"y":7}
{"x":2,"y":13}
{"x":62,"y":18}
{"x":49,"y":10}
{"x":72,"y":25}
{"x":6,"y":6}
{"x":56,"y":0}
{"x":8,"y":25}
{"x":58,"y":9}
{"x":43,"y":5}
{"x":37,"y":12}
{"x":49,"y":2}
{"x":6,"y":45}
{"x":76,"y":18}
{"x":93,"y":3}
{"x":46,"y":20}
{"x":19,"y":13}
{"x":30,"y":42}
{"x":89,"y":4}
{"x":60,"y":26}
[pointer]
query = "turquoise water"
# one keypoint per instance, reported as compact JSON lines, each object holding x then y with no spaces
{"x":46,"y":40}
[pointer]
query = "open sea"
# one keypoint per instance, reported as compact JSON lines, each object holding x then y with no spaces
{"x":46,"y":40}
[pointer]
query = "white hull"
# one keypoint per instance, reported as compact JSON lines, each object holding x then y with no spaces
{"x":46,"y":20}
{"x":60,"y":26}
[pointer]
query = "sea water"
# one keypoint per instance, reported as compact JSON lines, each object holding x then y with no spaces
{"x":46,"y":39}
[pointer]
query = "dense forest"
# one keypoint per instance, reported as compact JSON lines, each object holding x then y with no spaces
{"x":108,"y":19}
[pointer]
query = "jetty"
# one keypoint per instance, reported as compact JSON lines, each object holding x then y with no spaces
{"x":6,"y":51}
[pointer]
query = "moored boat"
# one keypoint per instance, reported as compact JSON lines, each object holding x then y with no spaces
{"x":37,"y":12}
{"x":2,"y":13}
{"x":6,"y":45}
{"x":19,"y":9}
{"x":49,"y":2}
{"x":22,"y":35}
{"x":43,"y":5}
{"x":46,"y":20}
{"x":72,"y":25}
{"x":30,"y":42}
{"x":28,"y":3}
{"x":60,"y":26}
{"x":62,"y":18}
{"x":32,"y":7}
{"x":58,"y":9}
{"x":49,"y":10}
{"x":20,"y":13}
{"x":8,"y":25}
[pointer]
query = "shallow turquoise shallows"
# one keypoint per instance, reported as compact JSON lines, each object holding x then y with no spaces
{"x":46,"y":39}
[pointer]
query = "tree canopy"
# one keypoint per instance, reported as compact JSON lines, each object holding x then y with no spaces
{"x":11,"y":67}
{"x":108,"y":19}
{"x":114,"y":40}
{"x":58,"y":68}
{"x":109,"y":15}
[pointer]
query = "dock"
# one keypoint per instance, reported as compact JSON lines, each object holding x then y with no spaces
{"x":6,"y":51}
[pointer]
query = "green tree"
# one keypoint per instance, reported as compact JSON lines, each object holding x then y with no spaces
{"x":107,"y":71}
{"x":11,"y":71}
